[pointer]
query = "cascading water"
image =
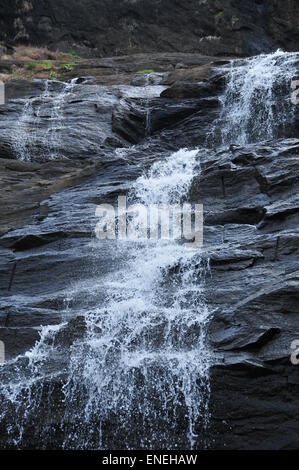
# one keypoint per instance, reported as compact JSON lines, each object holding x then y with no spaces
{"x":148,"y":110}
{"x":46,"y":136}
{"x":137,"y":375}
{"x":24,"y":139}
{"x":144,"y":357}
{"x":56,"y":120}
{"x":256,"y":105}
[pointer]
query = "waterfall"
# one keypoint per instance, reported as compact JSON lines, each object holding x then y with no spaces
{"x":150,"y":361}
{"x":256,"y":104}
{"x":54,"y":140}
{"x":148,"y":123}
{"x":46,"y":138}
{"x":137,"y":373}
{"x":21,"y":144}
{"x":148,"y":110}
{"x":24,"y":139}
{"x":144,"y":357}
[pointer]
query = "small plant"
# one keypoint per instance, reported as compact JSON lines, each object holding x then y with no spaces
{"x":145,"y":71}
{"x":30,"y":66}
{"x":67,"y":67}
{"x":39,"y":66}
{"x":46,"y":65}
{"x":71,"y":55}
{"x":235,"y":20}
{"x":52,"y":75}
{"x":12,"y":74}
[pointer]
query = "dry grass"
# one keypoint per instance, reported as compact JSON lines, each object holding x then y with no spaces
{"x":27,"y":53}
{"x":28,"y":62}
{"x":4,"y":77}
{"x":48,"y":70}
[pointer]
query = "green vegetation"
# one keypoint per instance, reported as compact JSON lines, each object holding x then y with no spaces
{"x":235,"y":20}
{"x":66,"y":67}
{"x":44,"y":65}
{"x":12,"y":74}
{"x":72,"y":55}
{"x":47,"y":66}
{"x":42,"y":69}
{"x":30,"y":66}
{"x":52,"y":75}
{"x":143,"y":72}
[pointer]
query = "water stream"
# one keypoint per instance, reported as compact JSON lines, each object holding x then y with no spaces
{"x":41,"y":122}
{"x":137,"y":373}
{"x":256,"y":105}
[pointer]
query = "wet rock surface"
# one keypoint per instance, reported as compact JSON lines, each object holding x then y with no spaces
{"x":253,"y":291}
{"x":50,"y":260}
{"x":119,"y":27}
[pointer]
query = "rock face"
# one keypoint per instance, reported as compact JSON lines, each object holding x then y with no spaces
{"x":251,"y":218}
{"x":53,"y":274}
{"x":116,"y":27}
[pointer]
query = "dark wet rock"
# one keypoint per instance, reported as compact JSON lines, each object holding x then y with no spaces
{"x":242,"y":187}
{"x":252,"y":242}
{"x":42,"y":314}
{"x":33,"y":241}
{"x":74,"y":330}
{"x":263,"y":403}
{"x":129,"y":121}
{"x":38,"y":181}
{"x":188,"y":74}
{"x":20,"y":88}
{"x":115,"y":142}
{"x":6,"y":148}
{"x":18,"y":340}
{"x":186,"y":90}
{"x":47,"y":122}
{"x":211,"y":86}
{"x":108,"y":28}
{"x":135,"y":120}
{"x":234,"y":338}
{"x":250,"y":234}
{"x":167,"y":114}
{"x":228,"y":259}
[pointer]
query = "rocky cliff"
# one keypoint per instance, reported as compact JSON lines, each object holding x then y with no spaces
{"x":101,"y":337}
{"x":66,"y":147}
{"x":117,"y":27}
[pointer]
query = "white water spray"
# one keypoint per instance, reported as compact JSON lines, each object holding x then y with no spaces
{"x":46,"y":138}
{"x":54,"y":138}
{"x":145,"y":357}
{"x":138,"y":376}
{"x":24,"y":136}
{"x":256,"y":105}
{"x":143,"y":360}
